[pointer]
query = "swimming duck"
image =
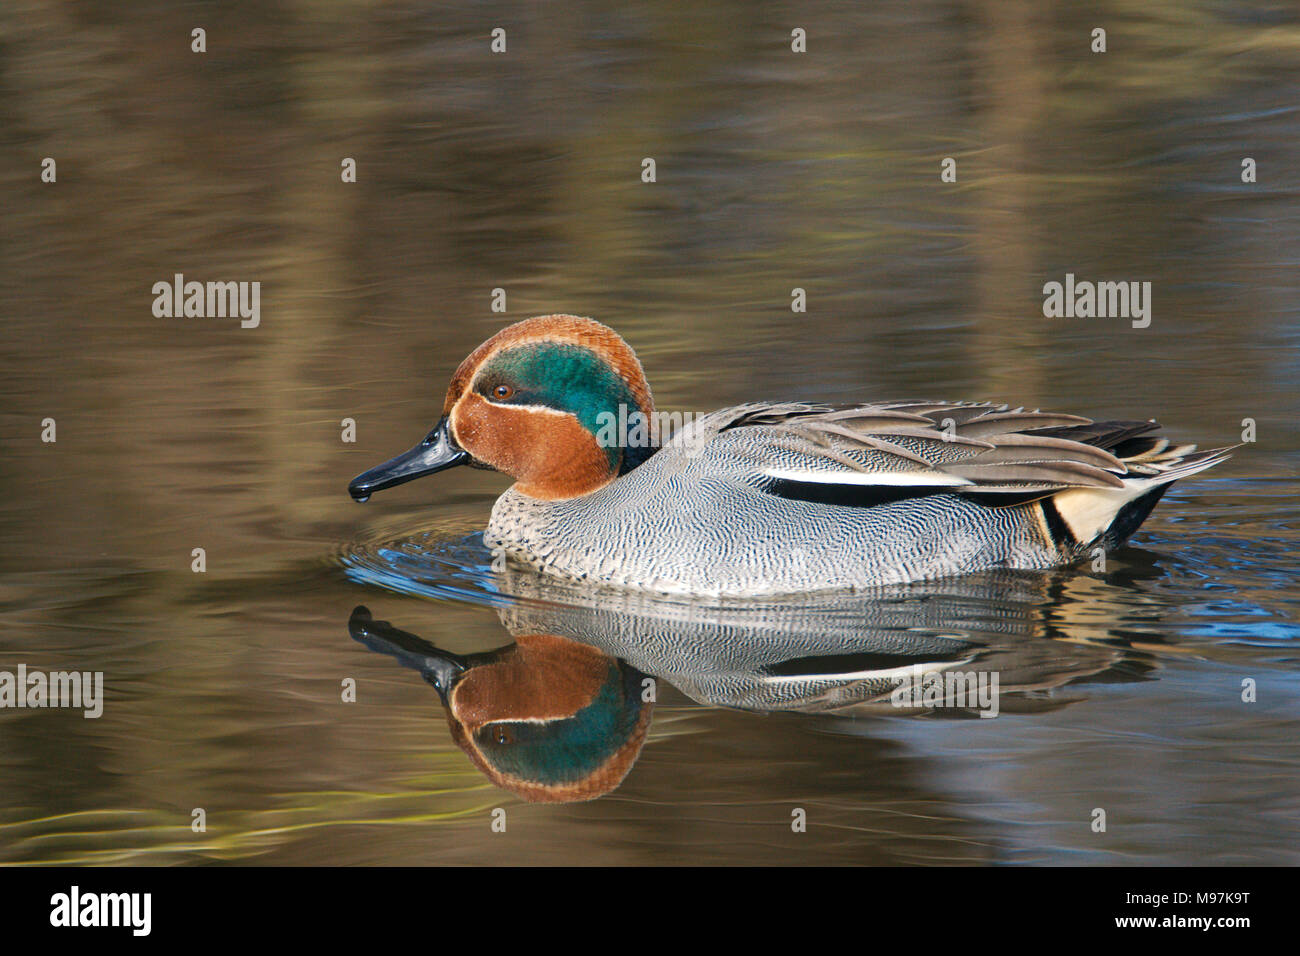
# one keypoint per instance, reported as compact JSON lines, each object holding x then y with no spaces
{"x":768,"y":497}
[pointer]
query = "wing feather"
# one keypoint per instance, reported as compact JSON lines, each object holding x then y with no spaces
{"x":980,"y":448}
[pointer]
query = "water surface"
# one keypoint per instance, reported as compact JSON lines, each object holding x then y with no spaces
{"x":820,"y":171}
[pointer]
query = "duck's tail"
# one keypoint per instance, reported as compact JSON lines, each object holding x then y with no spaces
{"x":1087,"y":517}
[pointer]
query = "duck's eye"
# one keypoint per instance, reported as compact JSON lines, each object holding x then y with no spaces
{"x":502,"y":735}
{"x":503,"y":392}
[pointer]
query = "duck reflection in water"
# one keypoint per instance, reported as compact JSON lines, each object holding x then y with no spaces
{"x":562,"y":713}
{"x":550,"y":719}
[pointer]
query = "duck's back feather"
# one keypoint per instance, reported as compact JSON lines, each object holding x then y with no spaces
{"x":899,"y":449}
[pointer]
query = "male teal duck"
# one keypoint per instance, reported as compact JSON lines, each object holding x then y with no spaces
{"x":773,"y":498}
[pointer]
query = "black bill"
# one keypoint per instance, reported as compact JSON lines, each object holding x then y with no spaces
{"x":437,"y":452}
